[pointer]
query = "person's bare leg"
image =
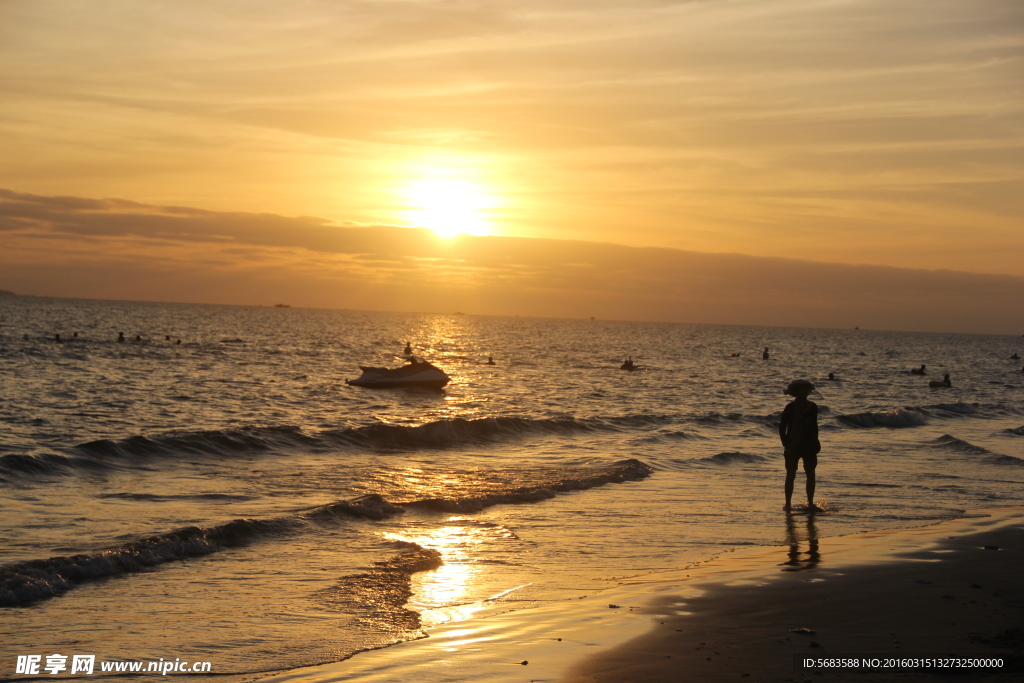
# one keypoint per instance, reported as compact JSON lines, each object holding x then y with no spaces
{"x":810,"y":486}
{"x":790,"y":479}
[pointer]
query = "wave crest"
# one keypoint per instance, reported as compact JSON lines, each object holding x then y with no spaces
{"x":729,"y":458}
{"x":901,"y":417}
{"x":105,"y":454}
{"x":957,"y":408}
{"x":1002,"y":459}
{"x":617,"y":472}
{"x":370,"y":506}
{"x":950,"y":442}
{"x":23,"y":583}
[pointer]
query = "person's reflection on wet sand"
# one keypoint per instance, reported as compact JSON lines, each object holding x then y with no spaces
{"x":793,"y":540}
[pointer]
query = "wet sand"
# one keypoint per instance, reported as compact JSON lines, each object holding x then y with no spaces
{"x":954,"y":588}
{"x":926,"y":591}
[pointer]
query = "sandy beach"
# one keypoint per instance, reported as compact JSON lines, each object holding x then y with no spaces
{"x":947,"y":589}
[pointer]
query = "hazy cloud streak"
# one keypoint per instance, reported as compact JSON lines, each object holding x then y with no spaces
{"x":117,"y":249}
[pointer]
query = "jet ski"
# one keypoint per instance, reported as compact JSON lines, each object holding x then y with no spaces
{"x":418,"y":373}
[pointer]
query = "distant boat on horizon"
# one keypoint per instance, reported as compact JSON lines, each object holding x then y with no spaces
{"x":282,"y":306}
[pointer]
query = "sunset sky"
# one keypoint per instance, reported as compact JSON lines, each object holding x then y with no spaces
{"x":250,"y":151}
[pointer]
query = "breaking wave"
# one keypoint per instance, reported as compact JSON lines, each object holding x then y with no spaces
{"x":1002,"y":459}
{"x":956,"y":445}
{"x":24,"y":583}
{"x":730,"y":458}
{"x":901,"y":417}
{"x":112,"y":454}
{"x":951,"y":443}
{"x":670,"y":436}
{"x":439,"y":434}
{"x":915,"y":416}
{"x":624,"y":470}
{"x":954,"y":408}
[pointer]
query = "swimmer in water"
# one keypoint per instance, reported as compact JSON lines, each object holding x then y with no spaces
{"x":408,"y":349}
{"x":490,"y":360}
{"x":798,"y":430}
{"x":627,"y":364}
{"x":1014,"y":356}
{"x":120,"y":337}
{"x":917,"y":371}
{"x":831,"y":377}
{"x":56,"y":337}
{"x":764,"y":356}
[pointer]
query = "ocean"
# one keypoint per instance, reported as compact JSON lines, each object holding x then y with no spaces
{"x":229,"y":499}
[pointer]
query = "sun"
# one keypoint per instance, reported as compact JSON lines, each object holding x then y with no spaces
{"x":448,"y":206}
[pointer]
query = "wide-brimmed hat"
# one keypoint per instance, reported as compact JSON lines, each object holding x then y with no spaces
{"x":798,"y":384}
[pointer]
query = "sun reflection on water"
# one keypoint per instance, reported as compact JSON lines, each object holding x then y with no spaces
{"x":456,"y":344}
{"x":452,"y":591}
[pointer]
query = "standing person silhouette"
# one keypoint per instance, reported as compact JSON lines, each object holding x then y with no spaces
{"x":764,"y":356}
{"x":798,"y":430}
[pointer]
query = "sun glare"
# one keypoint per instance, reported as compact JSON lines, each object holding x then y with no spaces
{"x":448,"y":206}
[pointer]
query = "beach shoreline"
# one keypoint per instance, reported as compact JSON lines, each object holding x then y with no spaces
{"x":928,"y":590}
{"x":951,"y":589}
